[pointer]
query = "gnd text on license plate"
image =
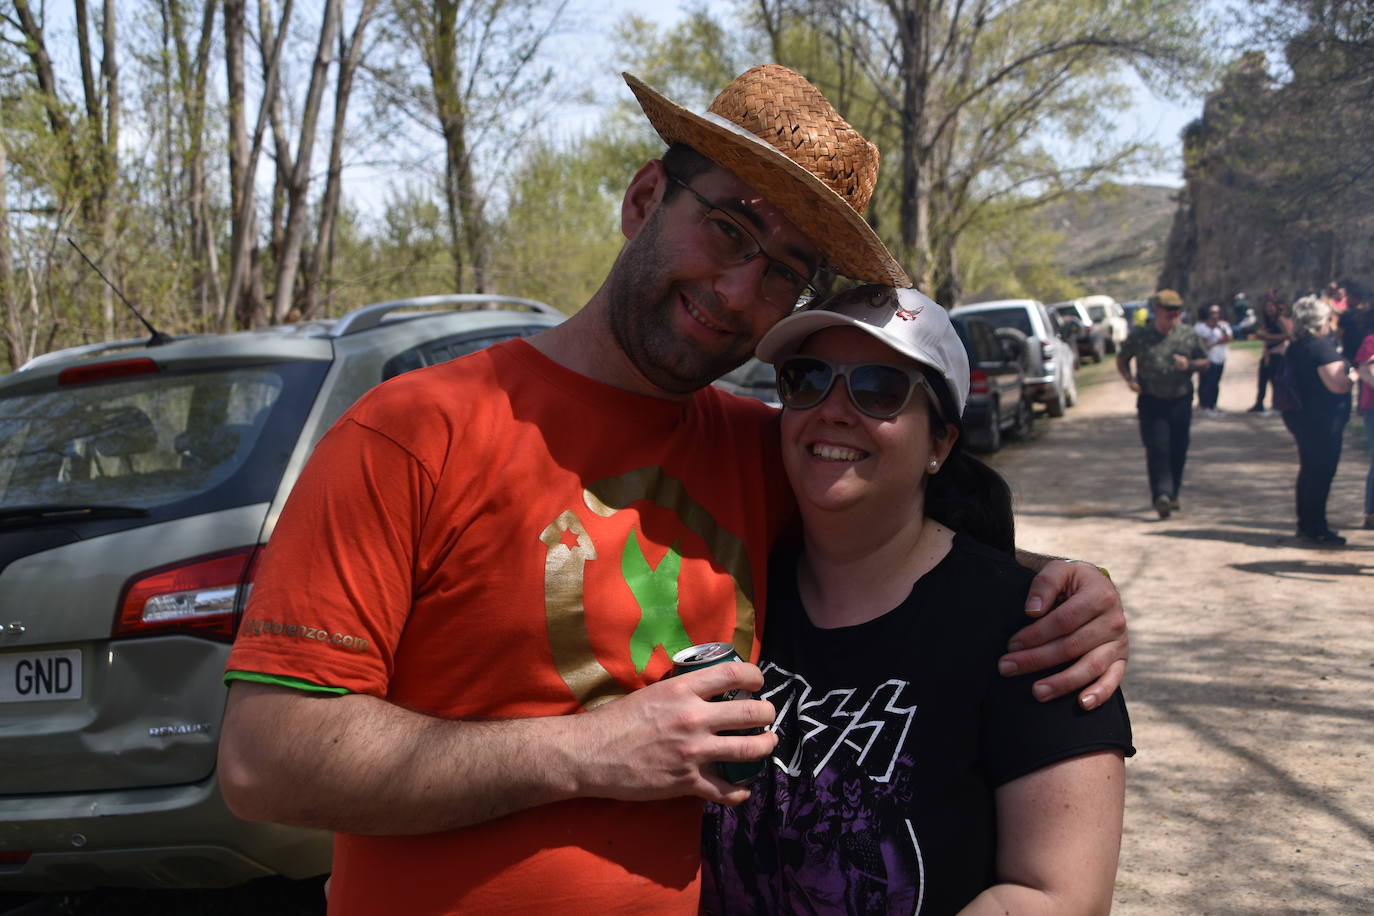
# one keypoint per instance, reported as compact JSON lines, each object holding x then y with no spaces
{"x":29,"y":676}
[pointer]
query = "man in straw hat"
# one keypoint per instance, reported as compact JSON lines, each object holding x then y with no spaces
{"x":456,"y":651}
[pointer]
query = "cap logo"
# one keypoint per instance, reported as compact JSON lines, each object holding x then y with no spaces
{"x":908,"y":314}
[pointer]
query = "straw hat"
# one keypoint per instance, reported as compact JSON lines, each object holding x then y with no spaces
{"x":778,"y":134}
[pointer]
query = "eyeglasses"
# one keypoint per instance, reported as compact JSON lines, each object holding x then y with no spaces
{"x":875,"y":390}
{"x":729,"y":242}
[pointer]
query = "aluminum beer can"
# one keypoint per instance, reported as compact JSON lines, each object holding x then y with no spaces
{"x":705,"y":655}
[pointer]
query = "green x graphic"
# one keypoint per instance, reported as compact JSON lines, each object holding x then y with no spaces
{"x":655,"y":592}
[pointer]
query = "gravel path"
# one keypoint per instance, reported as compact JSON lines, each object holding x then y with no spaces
{"x":1251,"y":682}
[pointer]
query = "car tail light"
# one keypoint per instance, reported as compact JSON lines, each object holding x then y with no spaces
{"x":977,"y":382}
{"x":200,"y":597}
{"x":94,"y":373}
{"x":15,"y":856}
{"x":1046,"y":350}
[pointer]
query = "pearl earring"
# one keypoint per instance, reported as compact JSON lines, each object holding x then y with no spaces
{"x":934,"y":465}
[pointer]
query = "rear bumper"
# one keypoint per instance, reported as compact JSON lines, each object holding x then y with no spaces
{"x":166,"y":837}
{"x":1040,"y":387}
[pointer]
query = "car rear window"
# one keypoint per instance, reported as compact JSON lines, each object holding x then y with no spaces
{"x":1008,"y":318}
{"x":1097,"y":312}
{"x":183,"y":442}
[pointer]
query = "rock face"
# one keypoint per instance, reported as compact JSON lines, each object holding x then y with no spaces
{"x":1246,"y":221}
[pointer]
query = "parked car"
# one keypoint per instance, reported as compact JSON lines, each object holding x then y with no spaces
{"x":1109,"y":318}
{"x":1082,"y":332}
{"x":1047,"y":360}
{"x":998,"y":401}
{"x":138,"y":486}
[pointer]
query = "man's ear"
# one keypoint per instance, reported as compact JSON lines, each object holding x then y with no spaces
{"x":642,"y":197}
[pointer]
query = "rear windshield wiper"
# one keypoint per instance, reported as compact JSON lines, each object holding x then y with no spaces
{"x":56,"y":513}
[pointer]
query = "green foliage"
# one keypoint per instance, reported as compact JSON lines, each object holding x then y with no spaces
{"x":1012,"y":254}
{"x":402,"y":253}
{"x":561,"y":230}
{"x":550,"y":208}
{"x":983,"y":104}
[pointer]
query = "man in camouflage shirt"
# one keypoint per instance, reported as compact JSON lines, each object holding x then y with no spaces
{"x":1166,"y":354}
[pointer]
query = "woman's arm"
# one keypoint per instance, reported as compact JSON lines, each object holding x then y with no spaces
{"x":1366,"y":371}
{"x":1335,"y":376}
{"x":1058,"y":838}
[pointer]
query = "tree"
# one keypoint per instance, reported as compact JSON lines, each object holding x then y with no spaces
{"x":320,"y":266}
{"x":192,"y":77}
{"x":91,"y":141}
{"x":560,"y":232}
{"x":484,"y":79}
{"x":1316,"y":107}
{"x":968,"y":92}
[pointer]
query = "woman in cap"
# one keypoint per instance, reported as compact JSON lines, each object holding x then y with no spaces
{"x":909,"y":776}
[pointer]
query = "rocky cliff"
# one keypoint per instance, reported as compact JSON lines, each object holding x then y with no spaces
{"x":1248,"y":218}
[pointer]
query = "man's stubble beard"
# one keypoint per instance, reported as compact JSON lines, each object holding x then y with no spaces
{"x":640,"y":301}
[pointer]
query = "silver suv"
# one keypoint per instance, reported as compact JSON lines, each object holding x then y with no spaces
{"x":1048,"y":360}
{"x":138,"y":484}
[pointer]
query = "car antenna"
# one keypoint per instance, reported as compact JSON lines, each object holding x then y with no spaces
{"x":158,"y":338}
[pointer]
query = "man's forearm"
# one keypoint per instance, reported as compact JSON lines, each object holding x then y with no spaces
{"x":359,"y":764}
{"x":1032,"y":561}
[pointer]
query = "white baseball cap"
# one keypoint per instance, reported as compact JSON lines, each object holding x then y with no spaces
{"x":907,"y":321}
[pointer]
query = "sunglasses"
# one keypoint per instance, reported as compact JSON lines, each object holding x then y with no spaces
{"x":875,"y":390}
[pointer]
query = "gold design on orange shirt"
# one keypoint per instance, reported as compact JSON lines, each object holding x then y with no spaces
{"x":565,"y":566}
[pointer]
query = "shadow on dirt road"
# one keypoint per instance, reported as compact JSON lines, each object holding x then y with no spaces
{"x":1251,"y":683}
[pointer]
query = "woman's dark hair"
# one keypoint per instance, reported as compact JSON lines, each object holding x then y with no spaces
{"x":966,"y":495}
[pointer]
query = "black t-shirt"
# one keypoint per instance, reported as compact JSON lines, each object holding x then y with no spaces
{"x":893,"y":735}
{"x":1304,"y":355}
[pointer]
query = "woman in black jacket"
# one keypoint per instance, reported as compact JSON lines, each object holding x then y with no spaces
{"x":1321,"y":381}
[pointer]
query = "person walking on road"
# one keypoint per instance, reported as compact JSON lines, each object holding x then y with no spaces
{"x":1321,"y":381}
{"x":1215,"y":335}
{"x":1166,"y":353}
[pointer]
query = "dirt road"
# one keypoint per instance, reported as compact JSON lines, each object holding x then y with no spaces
{"x":1251,"y":683}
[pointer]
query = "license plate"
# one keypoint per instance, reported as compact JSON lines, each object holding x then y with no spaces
{"x":30,"y":676}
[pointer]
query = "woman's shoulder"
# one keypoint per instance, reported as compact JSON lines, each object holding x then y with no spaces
{"x":980,"y":569}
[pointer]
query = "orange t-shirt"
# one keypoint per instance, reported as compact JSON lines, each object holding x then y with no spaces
{"x":499,"y":537}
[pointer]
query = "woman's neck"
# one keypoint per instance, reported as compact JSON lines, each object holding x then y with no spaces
{"x":853,"y":571}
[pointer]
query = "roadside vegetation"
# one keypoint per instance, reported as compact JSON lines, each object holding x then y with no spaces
{"x":196,"y":149}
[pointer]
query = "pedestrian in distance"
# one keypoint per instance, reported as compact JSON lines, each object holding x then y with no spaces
{"x":1315,"y":411}
{"x":1355,"y":323}
{"x":519,"y":540}
{"x":886,"y":622}
{"x":1274,"y":330}
{"x":1215,"y":335}
{"x":1166,"y":353}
